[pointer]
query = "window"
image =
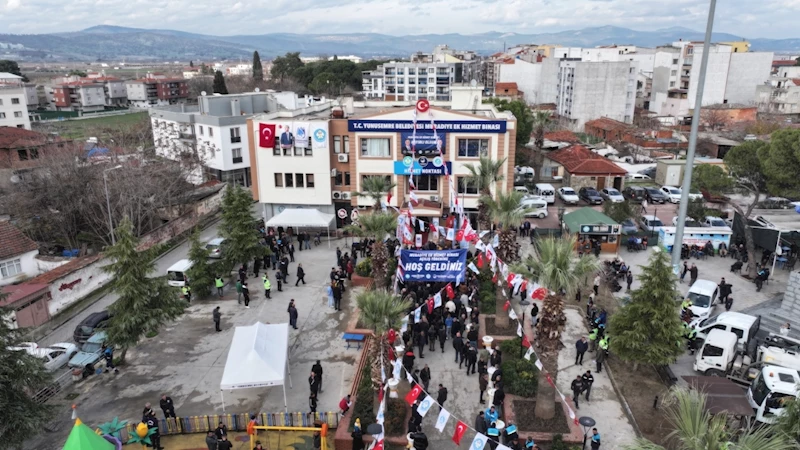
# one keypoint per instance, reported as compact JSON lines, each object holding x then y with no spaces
{"x":675,"y":61}
{"x":308,"y":151}
{"x":473,"y":148}
{"x":337,"y":144}
{"x":298,"y":151}
{"x":427,"y":182}
{"x":200,"y":130}
{"x":711,"y":350}
{"x":671,"y":84}
{"x":310,"y":180}
{"x":235,"y":136}
{"x":288,"y":180}
{"x":15,"y":101}
{"x":278,"y":180}
{"x":17,"y":113}
{"x":276,"y":150}
{"x":210,"y":132}
{"x":347,"y":178}
{"x":10,"y":268}
{"x":299,"y":179}
{"x":375,"y":147}
{"x":673,"y":72}
{"x":2,"y":115}
{"x":23,"y":154}
{"x":237,"y":155}
{"x":466,"y":186}
{"x":346,"y":144}
{"x":338,"y":179}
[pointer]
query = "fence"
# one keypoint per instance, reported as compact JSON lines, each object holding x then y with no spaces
{"x":235,"y":422}
{"x":58,"y":385}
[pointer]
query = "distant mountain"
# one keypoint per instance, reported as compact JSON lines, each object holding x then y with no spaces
{"x":107,"y":42}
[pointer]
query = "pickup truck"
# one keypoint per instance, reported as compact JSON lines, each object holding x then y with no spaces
{"x":90,"y":354}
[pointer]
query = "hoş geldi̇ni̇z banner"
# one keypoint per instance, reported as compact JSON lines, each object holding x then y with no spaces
{"x":434,"y":265}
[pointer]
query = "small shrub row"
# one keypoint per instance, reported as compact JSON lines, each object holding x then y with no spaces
{"x":520,"y":376}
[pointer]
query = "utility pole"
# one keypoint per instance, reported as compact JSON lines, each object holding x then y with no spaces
{"x":687,"y":173}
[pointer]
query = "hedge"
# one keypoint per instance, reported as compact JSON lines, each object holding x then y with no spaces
{"x":520,"y":376}
{"x":364,"y":406}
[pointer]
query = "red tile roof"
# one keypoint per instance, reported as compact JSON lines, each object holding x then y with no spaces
{"x":13,"y":137}
{"x":562,"y":136}
{"x":783,"y":62}
{"x":19,"y":292}
{"x":64,"y":269}
{"x":510,"y":85}
{"x":13,"y":242}
{"x":604,"y":123}
{"x":796,"y":81}
{"x":579,"y":160}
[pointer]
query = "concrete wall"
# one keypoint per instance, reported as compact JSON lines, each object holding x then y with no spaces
{"x":716,"y":76}
{"x":548,"y":80}
{"x":790,"y":306}
{"x":78,"y":284}
{"x":526,"y":75}
{"x":601,"y":90}
{"x":747,"y":71}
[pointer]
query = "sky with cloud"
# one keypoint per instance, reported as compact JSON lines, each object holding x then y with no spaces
{"x":748,"y":18}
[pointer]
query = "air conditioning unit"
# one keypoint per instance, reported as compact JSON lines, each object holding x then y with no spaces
{"x":342,"y":157}
{"x":345,"y":196}
{"x":333,"y":173}
{"x":434,"y":198}
{"x":336,"y":195}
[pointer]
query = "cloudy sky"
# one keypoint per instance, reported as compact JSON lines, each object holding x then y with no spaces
{"x":748,"y":18}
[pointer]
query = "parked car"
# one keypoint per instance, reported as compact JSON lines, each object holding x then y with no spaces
{"x":91,"y":352}
{"x":612,"y":195}
{"x":653,"y":195}
{"x":53,"y":357}
{"x":650,"y":223}
{"x":775,"y":203}
{"x":634,"y":193}
{"x":629,"y":227}
{"x":650,"y":172}
{"x":637,"y":177}
{"x":214,"y":247}
{"x":90,"y":325}
{"x":672,"y":193}
{"x":525,"y":191}
{"x":689,"y":222}
{"x":537,"y":207}
{"x":590,"y":196}
{"x":568,"y":196}
{"x":711,"y":221}
{"x":695,"y":195}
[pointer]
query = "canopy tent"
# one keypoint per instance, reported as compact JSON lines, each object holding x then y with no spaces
{"x":83,"y":438}
{"x":258,"y":357}
{"x":303,"y":217}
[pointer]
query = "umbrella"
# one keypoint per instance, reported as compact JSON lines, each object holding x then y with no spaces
{"x":83,"y":438}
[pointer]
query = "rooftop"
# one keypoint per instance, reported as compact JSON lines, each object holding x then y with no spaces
{"x":579,"y":160}
{"x":13,"y":242}
{"x":604,"y":123}
{"x":12,"y":137}
{"x":586,"y":216}
{"x":19,"y":292}
{"x":5,"y":76}
{"x":64,"y":269}
{"x":509,"y":85}
{"x":717,"y":139}
{"x":561,"y":136}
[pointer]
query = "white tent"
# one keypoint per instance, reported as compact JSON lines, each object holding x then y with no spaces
{"x":258,"y":357}
{"x":303,"y":217}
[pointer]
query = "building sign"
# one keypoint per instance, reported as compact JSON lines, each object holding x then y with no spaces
{"x":424,"y":142}
{"x":422,"y":166}
{"x":443,"y":126}
{"x":434,"y":265}
{"x":599,"y":229}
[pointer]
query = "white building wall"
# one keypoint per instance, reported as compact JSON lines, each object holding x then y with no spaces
{"x":116,"y":89}
{"x":81,"y":283}
{"x":28,"y":264}
{"x":31,"y":96}
{"x":548,"y":81}
{"x":747,"y":71}
{"x":11,"y":114}
{"x":526,"y":75}
{"x":136,"y":91}
{"x":719,"y":60}
{"x":92,"y":96}
{"x":215,"y":144}
{"x":602,"y":89}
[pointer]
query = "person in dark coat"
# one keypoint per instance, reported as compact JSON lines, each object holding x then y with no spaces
{"x":408,"y":361}
{"x":221,"y":430}
{"x":472,"y":358}
{"x":442,"y":336}
{"x":421,"y":339}
{"x":246,"y":295}
{"x":458,"y":346}
{"x":224,"y":444}
{"x":441,"y":396}
{"x":581,"y":346}
{"x":483,"y":384}
{"x":167,"y":406}
{"x":313,"y":383}
{"x":588,"y":380}
{"x":301,"y":274}
{"x":312,"y":402}
{"x":211,"y":441}
{"x":577,"y":388}
{"x":292,"y":310}
{"x":217,"y":316}
{"x":317,"y":370}
{"x":480,"y":423}
{"x":358,"y":439}
{"x":291,"y":252}
{"x":425,"y":377}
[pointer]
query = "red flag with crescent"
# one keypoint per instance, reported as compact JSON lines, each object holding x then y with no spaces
{"x":480,"y":260}
{"x":539,"y":293}
{"x":525,"y":342}
{"x":430,"y":305}
{"x":450,"y":293}
{"x":266,"y":135}
{"x":506,"y":305}
{"x":412,"y":395}
{"x":461,"y":428}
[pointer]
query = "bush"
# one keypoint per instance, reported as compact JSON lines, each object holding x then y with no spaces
{"x":363,"y":408}
{"x":520,"y":376}
{"x":395,"y":417}
{"x":487,"y":292}
{"x":364,"y":268}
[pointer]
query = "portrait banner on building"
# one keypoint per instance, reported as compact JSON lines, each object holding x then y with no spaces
{"x":424,"y":143}
{"x":434,"y":265}
{"x":319,"y":136}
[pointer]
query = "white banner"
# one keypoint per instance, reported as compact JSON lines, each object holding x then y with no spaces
{"x":528,"y":357}
{"x":319,"y":135}
{"x":425,"y":405}
{"x":301,"y":134}
{"x":479,"y":442}
{"x":437,"y":300}
{"x":441,"y":421}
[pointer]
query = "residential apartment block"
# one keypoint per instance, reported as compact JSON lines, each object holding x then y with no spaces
{"x":13,"y":102}
{"x":781,"y":93}
{"x":156,"y":90}
{"x":587,"y":90}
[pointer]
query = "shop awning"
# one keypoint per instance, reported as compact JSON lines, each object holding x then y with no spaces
{"x":586,"y":216}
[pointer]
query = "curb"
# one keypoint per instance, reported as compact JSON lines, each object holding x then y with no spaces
{"x":626,"y":408}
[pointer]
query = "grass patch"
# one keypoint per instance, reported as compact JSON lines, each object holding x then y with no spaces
{"x":151,"y":334}
{"x":520,"y":376}
{"x":84,"y":128}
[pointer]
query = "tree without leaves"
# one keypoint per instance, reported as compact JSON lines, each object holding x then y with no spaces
{"x":21,"y":375}
{"x":258,"y":71}
{"x":541,"y":120}
{"x":201,"y":274}
{"x":715,"y":118}
{"x":375,"y":226}
{"x":242,"y":239}
{"x":648,"y":330}
{"x":485,"y":175}
{"x":144,"y":304}
{"x":380,"y":311}
{"x":219,"y":83}
{"x":375,"y":187}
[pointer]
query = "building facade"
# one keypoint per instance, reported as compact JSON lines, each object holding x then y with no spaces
{"x":587,"y":90}
{"x":156,"y":90}
{"x":13,"y":102}
{"x":407,"y":81}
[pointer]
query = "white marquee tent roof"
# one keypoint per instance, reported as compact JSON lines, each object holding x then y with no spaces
{"x":301,"y":217}
{"x":258,"y":357}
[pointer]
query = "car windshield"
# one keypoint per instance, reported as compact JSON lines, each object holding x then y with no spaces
{"x":675,"y":191}
{"x":568,"y":192}
{"x":708,"y":322}
{"x":700,"y":300}
{"x":759,"y":390}
{"x":717,"y":223}
{"x":90,"y":347}
{"x":656,"y":223}
{"x":653,"y":191}
{"x":591,"y":192}
{"x":613,"y":192}
{"x":628,"y":223}
{"x":175,"y":276}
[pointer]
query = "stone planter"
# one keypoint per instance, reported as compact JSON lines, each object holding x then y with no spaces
{"x":358,"y":280}
{"x":575,"y":435}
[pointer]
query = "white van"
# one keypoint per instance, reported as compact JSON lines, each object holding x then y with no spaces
{"x":176,"y":274}
{"x":545,"y":191}
{"x":537,"y":206}
{"x":703,"y":294}
{"x":744,"y":326}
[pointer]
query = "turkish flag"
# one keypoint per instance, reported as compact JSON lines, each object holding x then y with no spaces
{"x":461,"y":428}
{"x":391,"y":336}
{"x":266,"y":133}
{"x":430,"y":305}
{"x":378,"y":445}
{"x":480,"y":260}
{"x":550,"y":380}
{"x":450,"y":294}
{"x":494,"y":278}
{"x":525,"y":342}
{"x":539,"y":293}
{"x":506,"y":305}
{"x":412,"y":395}
{"x":524,"y":285}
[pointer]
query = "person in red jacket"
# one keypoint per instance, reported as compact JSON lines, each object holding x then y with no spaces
{"x":349,"y":269}
{"x":344,"y":405}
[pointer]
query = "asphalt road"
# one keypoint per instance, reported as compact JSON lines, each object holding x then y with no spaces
{"x":64,"y":332}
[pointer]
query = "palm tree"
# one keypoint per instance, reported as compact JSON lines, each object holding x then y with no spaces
{"x":697,"y":429}
{"x":555,"y":266}
{"x":484,"y":175}
{"x":541,"y":120}
{"x":376,"y":225}
{"x":380,"y":311}
{"x":375,"y":187}
{"x":508,"y":214}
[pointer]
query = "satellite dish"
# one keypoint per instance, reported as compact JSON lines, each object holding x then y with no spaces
{"x":258,"y":90}
{"x":473,"y":83}
{"x":203,"y":93}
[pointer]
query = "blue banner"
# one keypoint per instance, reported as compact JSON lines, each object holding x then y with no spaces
{"x":424,"y":142}
{"x":430,"y":168}
{"x":444,"y":126}
{"x":434,"y":265}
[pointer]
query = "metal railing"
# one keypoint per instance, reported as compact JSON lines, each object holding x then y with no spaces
{"x":58,"y":385}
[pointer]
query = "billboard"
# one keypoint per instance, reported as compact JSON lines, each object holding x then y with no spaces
{"x":434,"y":265}
{"x":424,"y":143}
{"x":444,"y":126}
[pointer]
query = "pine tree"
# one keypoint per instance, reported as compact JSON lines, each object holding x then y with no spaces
{"x":648,"y":330}
{"x":258,"y":71}
{"x":201,"y":274}
{"x":144,"y":304}
{"x":20,"y":375}
{"x":242,"y":239}
{"x":191,"y":63}
{"x":219,"y":83}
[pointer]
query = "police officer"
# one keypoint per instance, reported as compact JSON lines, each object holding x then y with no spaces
{"x":187,"y":293}
{"x":691,"y":336}
{"x":219,"y":284}
{"x":268,"y":285}
{"x":155,"y":438}
{"x":593,"y":339}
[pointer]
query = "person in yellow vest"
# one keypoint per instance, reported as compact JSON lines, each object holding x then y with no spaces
{"x":219,"y":284}
{"x":267,"y":285}
{"x":187,"y":293}
{"x":604,"y":344}
{"x":593,"y":339}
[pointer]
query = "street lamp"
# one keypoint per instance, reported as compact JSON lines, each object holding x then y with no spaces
{"x":108,"y":201}
{"x":587,"y":423}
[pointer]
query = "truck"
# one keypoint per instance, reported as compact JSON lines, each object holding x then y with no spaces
{"x":770,"y":372}
{"x":744,"y":326}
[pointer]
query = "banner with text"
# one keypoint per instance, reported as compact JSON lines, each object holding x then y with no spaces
{"x":434,"y":265}
{"x":445,"y":126}
{"x":424,"y":143}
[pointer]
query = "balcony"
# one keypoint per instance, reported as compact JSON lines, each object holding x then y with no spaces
{"x":189,"y":137}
